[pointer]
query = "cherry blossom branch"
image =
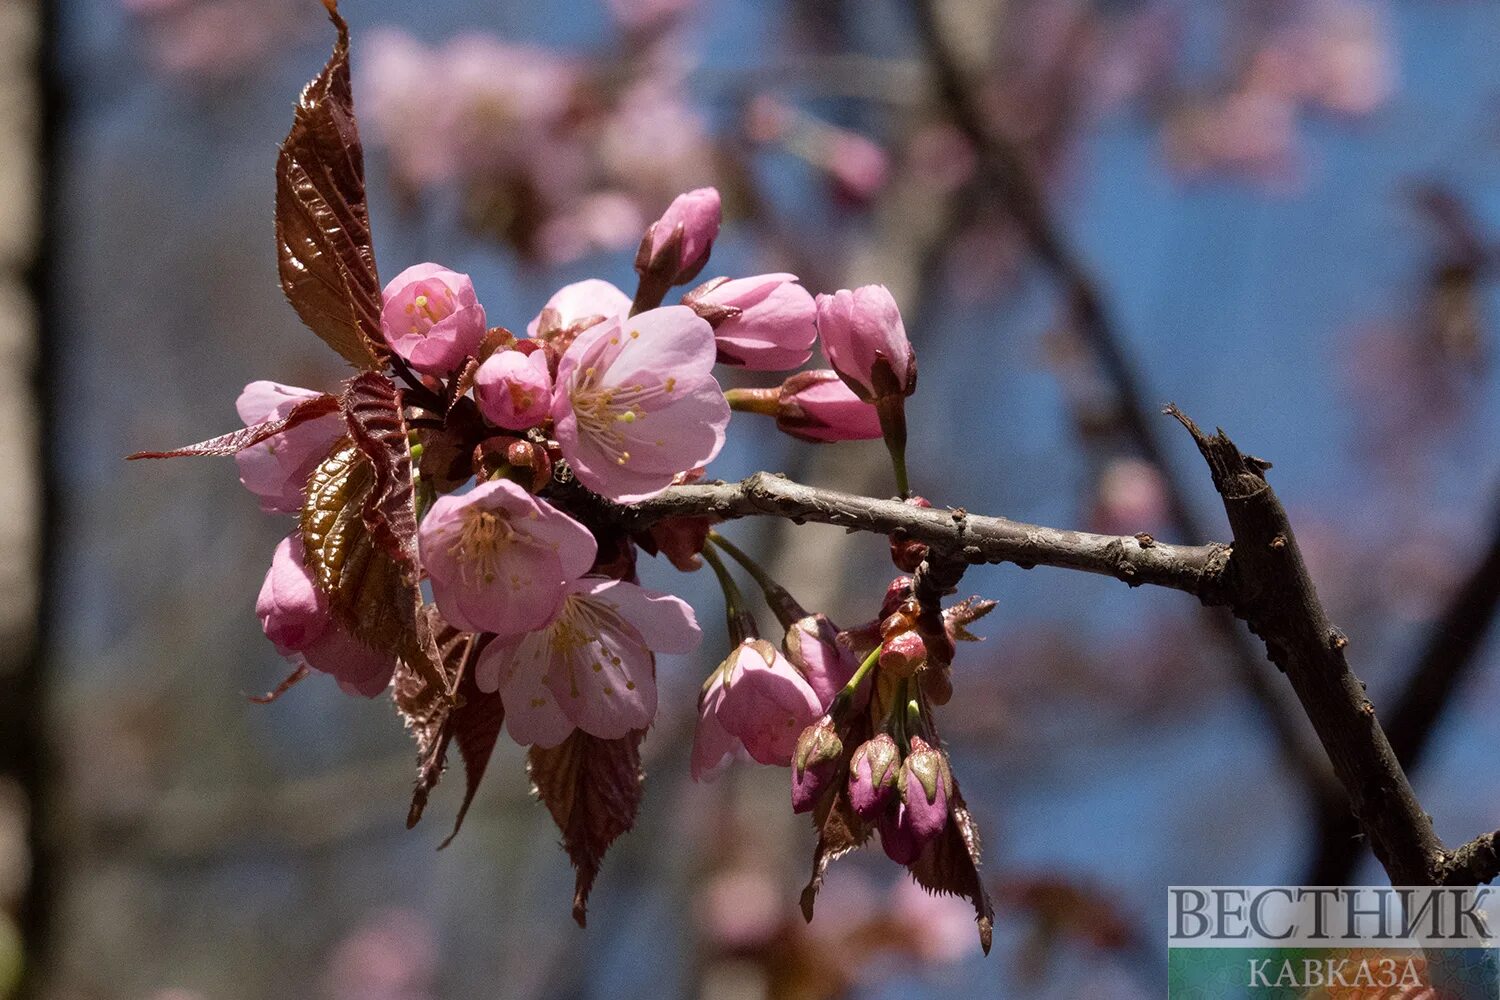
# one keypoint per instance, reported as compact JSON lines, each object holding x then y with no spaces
{"x":1003,"y":168}
{"x":956,"y":534}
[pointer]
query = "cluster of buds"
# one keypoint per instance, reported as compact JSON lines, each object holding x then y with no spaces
{"x":875,"y":748}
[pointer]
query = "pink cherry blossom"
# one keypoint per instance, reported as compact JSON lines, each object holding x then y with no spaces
{"x":592,"y":666}
{"x":817,"y":406}
{"x":500,"y":559}
{"x":697,"y":215}
{"x":766,"y":703}
{"x":764,"y":323}
{"x":858,"y":166}
{"x":432,"y":318}
{"x":862,"y":333}
{"x":636,"y":404}
{"x":277,"y":469}
{"x":513,"y":389}
{"x":295,"y":616}
{"x":577,"y":307}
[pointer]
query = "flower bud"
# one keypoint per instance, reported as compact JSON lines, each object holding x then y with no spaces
{"x":906,"y":553}
{"x":817,"y":406}
{"x":926,"y":785}
{"x":431,"y":318}
{"x":277,"y":469}
{"x":514,"y":390}
{"x":873,"y":772}
{"x":765,"y":703}
{"x":815,"y":763}
{"x":574,"y":309}
{"x":866,"y":342}
{"x":903,"y":654}
{"x":677,"y":245}
{"x":896,"y":839}
{"x":764,"y":323}
{"x":813,"y":647}
{"x":295,"y":616}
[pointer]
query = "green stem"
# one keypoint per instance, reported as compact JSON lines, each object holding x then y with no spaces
{"x":788,"y":612}
{"x":763,"y":401}
{"x":892,"y":411}
{"x":841,"y":700}
{"x":740,"y":622}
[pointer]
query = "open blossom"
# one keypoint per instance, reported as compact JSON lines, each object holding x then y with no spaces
{"x":500,"y":559}
{"x":276,"y":470}
{"x":432,"y":318}
{"x":295,"y":616}
{"x":758,"y":698}
{"x":866,"y":342}
{"x":635,"y":402}
{"x":513,"y":389}
{"x":592,"y":666}
{"x":764,"y":323}
{"x":817,"y":406}
{"x":576,"y":307}
{"x":696,"y":216}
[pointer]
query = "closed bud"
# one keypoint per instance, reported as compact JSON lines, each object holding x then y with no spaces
{"x":677,"y":245}
{"x":815,"y":763}
{"x":903,"y":654}
{"x":866,"y":342}
{"x":873,"y":771}
{"x":764,"y":323}
{"x":817,"y":406}
{"x":812,"y":646}
{"x":926,"y":785}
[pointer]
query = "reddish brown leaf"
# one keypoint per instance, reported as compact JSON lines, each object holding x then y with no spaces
{"x":324,"y":252}
{"x":464,"y":382}
{"x":951,"y":864}
{"x":367,"y":590}
{"x":476,"y":729}
{"x":287,"y":683}
{"x":840,"y":830}
{"x":592,"y":787}
{"x":372,"y":410}
{"x":237,"y":441}
{"x":429,"y":720}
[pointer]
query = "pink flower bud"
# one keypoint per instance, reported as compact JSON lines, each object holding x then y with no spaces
{"x":926,"y":785}
{"x":818,"y":406}
{"x":295,"y":616}
{"x":815,"y":763}
{"x":765,"y":323}
{"x":677,"y":245}
{"x":896,"y":838}
{"x":575,"y":308}
{"x":765,"y":703}
{"x":812,"y":646}
{"x":514,"y":390}
{"x":873,"y":772}
{"x":903,"y":654}
{"x":866,"y":343}
{"x":432,"y":318}
{"x":277,"y":469}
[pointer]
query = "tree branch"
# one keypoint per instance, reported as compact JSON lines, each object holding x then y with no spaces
{"x":1271,"y":591}
{"x":1443,"y":664}
{"x":954,"y":534}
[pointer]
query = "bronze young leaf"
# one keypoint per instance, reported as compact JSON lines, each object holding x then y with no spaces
{"x":323,"y":249}
{"x":245,"y":437}
{"x":592,"y":787}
